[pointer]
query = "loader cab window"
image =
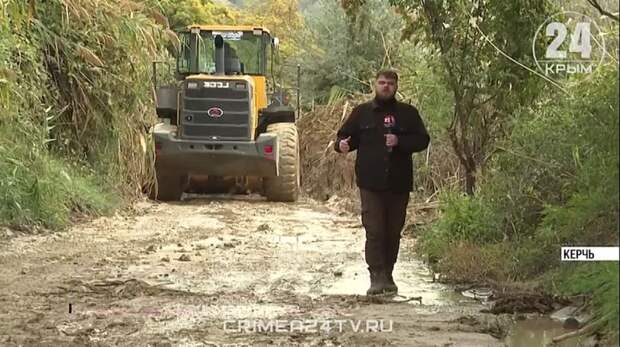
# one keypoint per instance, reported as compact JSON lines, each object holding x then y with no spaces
{"x":197,"y":53}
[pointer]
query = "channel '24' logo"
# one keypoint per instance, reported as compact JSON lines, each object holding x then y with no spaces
{"x":568,"y":43}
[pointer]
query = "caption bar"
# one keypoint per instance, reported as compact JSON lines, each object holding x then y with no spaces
{"x":590,"y":254}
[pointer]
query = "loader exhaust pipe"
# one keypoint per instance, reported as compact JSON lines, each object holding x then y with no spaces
{"x":219,"y":55}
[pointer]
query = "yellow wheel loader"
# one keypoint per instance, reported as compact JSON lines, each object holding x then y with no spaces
{"x":225,"y":117}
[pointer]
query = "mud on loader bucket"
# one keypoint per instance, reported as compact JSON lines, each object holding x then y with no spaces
{"x":274,"y":156}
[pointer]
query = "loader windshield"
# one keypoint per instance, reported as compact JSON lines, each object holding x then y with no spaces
{"x":197,"y":53}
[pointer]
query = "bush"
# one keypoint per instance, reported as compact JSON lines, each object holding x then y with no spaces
{"x":466,"y":218}
{"x":553,"y":182}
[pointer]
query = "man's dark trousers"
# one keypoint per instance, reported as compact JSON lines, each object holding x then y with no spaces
{"x":383,"y":217}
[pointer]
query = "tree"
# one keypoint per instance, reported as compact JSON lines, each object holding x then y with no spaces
{"x":602,"y":11}
{"x":181,"y":13}
{"x":281,"y":17}
{"x":475,"y":40}
{"x":345,"y":47}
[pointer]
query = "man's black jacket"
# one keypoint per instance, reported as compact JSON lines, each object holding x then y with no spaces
{"x":376,"y":168}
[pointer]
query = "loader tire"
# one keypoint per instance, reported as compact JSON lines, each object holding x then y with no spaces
{"x":169,"y":187}
{"x":285,"y":186}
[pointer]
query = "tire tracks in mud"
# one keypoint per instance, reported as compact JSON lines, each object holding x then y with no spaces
{"x":207,"y":270}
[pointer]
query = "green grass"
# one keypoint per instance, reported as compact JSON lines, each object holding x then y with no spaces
{"x":37,"y":188}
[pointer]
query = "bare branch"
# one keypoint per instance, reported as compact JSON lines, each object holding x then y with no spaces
{"x":597,"y":6}
{"x":386,"y":49}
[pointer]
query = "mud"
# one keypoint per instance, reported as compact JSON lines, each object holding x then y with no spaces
{"x":527,"y":303}
{"x":224,"y":271}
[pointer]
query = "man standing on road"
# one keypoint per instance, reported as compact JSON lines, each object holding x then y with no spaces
{"x":385,"y":133}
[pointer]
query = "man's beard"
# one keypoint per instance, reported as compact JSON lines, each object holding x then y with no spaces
{"x":385,"y":97}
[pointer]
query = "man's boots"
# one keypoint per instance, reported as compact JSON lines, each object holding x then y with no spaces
{"x":390,"y":286}
{"x":378,"y":281}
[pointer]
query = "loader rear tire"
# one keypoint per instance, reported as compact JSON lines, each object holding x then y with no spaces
{"x":285,"y":186}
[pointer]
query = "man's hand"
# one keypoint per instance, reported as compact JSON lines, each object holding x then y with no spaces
{"x":391,"y":140}
{"x":344,"y":146}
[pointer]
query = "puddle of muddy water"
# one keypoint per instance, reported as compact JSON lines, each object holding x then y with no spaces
{"x":411,"y":276}
{"x":539,"y":332}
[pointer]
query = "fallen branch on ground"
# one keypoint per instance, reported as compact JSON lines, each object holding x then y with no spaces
{"x":588,"y":328}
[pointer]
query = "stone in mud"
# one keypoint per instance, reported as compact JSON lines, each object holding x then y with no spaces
{"x":338,"y":273}
{"x":118,"y":322}
{"x":165,"y":259}
{"x":478,"y":293}
{"x":150,"y":248}
{"x":184,"y":257}
{"x":570,"y":317}
{"x":263,"y":227}
{"x":563,"y":313}
{"x":571,"y":323}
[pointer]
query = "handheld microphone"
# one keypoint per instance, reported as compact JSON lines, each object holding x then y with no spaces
{"x":388,"y":123}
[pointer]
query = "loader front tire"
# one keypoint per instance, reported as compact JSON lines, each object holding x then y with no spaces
{"x":169,"y":187}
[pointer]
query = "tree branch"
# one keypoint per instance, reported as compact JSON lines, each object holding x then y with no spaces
{"x":597,"y":6}
{"x":587,"y":329}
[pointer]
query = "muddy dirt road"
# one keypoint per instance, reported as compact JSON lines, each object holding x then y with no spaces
{"x":221,"y":271}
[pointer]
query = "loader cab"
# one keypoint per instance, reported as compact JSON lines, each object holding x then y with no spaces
{"x":242,"y":51}
{"x":229,"y":72}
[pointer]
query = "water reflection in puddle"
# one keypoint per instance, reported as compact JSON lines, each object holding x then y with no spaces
{"x":539,"y":332}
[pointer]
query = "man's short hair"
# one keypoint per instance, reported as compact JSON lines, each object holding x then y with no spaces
{"x":389,"y":74}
